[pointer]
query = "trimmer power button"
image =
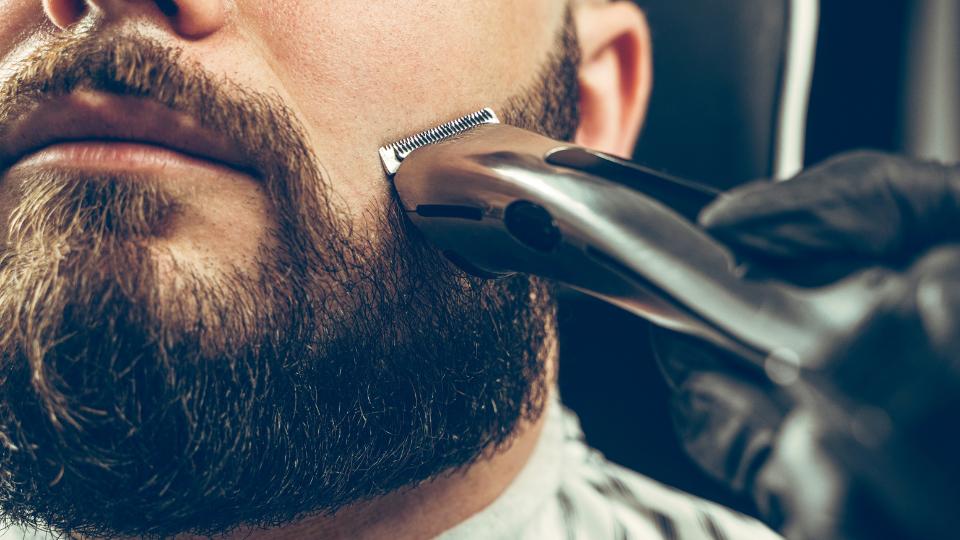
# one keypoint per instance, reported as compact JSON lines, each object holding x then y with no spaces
{"x":532,"y":225}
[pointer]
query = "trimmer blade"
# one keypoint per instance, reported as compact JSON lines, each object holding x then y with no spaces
{"x":393,"y":155}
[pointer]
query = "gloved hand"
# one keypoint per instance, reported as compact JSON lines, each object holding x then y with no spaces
{"x":857,"y":211}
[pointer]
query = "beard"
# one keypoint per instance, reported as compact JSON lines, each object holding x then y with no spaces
{"x":347,"y":365}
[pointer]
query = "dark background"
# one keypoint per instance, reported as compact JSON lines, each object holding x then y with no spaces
{"x":856,"y":97}
{"x":608,"y":375}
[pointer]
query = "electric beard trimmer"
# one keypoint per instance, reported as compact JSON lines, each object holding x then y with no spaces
{"x":500,"y":200}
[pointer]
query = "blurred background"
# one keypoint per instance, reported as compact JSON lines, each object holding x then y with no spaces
{"x":745,"y":90}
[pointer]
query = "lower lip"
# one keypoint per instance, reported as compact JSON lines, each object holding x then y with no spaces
{"x":114,"y":156}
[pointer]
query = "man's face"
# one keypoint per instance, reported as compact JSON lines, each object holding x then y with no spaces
{"x":250,"y":333}
{"x":355,"y":75}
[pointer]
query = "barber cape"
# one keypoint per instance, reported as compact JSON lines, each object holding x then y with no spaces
{"x":567,"y":490}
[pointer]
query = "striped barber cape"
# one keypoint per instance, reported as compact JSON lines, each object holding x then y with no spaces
{"x":569,"y":491}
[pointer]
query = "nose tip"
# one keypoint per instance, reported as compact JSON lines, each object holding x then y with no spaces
{"x":195,"y":18}
{"x":189,"y":18}
{"x":64,"y":13}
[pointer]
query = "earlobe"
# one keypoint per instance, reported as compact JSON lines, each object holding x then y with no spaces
{"x":615,"y":75}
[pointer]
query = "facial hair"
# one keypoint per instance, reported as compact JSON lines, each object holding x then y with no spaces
{"x":345,"y":366}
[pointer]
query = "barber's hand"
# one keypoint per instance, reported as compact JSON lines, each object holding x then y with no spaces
{"x":856,"y":211}
{"x":871,"y":449}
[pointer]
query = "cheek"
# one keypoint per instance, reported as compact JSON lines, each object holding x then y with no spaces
{"x":22,"y":27}
{"x":366,"y":73}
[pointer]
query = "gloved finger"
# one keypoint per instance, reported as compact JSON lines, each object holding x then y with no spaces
{"x":864,"y":204}
{"x":724,"y":411}
{"x":935,"y":286}
{"x":911,"y":342}
{"x":804,"y":491}
{"x":680,"y":356}
{"x":727,"y":426}
{"x":800,"y":490}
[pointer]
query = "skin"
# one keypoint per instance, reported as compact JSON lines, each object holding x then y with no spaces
{"x":358,"y":75}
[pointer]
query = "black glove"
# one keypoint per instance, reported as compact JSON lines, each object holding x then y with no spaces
{"x":878,"y":430}
{"x":857,"y":211}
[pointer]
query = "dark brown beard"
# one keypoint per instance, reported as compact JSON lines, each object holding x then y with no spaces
{"x":344,"y":368}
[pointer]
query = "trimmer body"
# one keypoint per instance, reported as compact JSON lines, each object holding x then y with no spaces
{"x":500,"y":200}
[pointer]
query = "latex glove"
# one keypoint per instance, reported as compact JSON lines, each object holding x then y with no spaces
{"x":856,"y":211}
{"x":871,"y":450}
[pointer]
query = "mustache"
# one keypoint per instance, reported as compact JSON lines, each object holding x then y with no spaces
{"x":257,"y":124}
{"x":133,"y":65}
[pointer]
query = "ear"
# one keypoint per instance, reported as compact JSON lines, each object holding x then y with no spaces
{"x":616,"y":75}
